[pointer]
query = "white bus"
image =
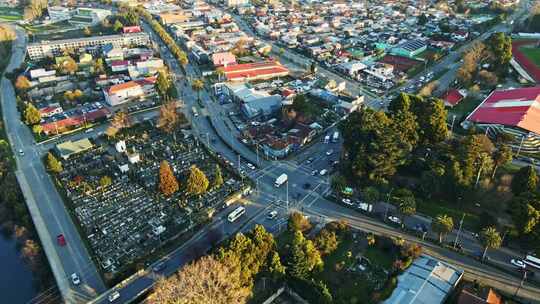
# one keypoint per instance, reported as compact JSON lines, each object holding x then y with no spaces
{"x":532,"y":261}
{"x":238,"y":212}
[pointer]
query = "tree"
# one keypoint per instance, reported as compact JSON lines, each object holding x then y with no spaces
{"x":501,"y":157}
{"x":105,"y":181}
{"x":501,"y":46}
{"x":442,"y":224}
{"x":37,"y":129}
{"x":526,"y":212}
{"x":431,"y":117}
{"x":488,"y":78}
{"x":422,"y":19}
{"x":275,"y":268}
{"x":198,"y":85}
{"x":31,"y":114}
{"x":197,"y":182}
{"x":162,"y":84}
{"x":218,"y":179}
{"x":406,"y":207}
{"x":298,"y":222}
{"x":68,"y":66}
{"x":206,"y":280}
{"x":87,"y":31}
{"x":370,"y":195}
{"x":117,"y":26}
{"x":490,"y":238}
{"x":338,"y":183}
{"x":326,"y":241}
{"x":167,"y":181}
{"x":99,"y":68}
{"x":53,"y":164}
{"x":525,"y":180}
{"x":372,"y":148}
{"x":22,"y":83}
{"x":304,"y":257}
{"x":429,"y":88}
{"x":301,"y":105}
{"x":168,"y":119}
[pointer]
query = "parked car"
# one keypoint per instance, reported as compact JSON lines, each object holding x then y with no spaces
{"x":518,"y":263}
{"x":323,"y":172}
{"x":314,"y":172}
{"x":61,"y":240}
{"x":251,"y":166}
{"x":329,"y":152}
{"x":75,"y":279}
{"x":307,"y":185}
{"x":309,"y":160}
{"x":113,"y":296}
{"x":159,"y":266}
{"x":347,"y":201}
{"x":394,"y":219}
{"x":21,"y":152}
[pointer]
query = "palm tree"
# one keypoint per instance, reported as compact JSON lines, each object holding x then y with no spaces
{"x":442,"y":224}
{"x":220,"y":72}
{"x":490,"y":238}
{"x":198,"y":85}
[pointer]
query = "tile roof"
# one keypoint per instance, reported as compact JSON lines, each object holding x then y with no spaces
{"x":513,"y":107}
{"x":452,"y":97}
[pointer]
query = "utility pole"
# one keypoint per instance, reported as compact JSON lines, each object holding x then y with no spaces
{"x":287,"y":198}
{"x":479,"y":172}
{"x":459,"y":230}
{"x":387,"y":203}
{"x":239,"y":163}
{"x":523,"y":278}
{"x":257,"y":148}
{"x":452,"y":125}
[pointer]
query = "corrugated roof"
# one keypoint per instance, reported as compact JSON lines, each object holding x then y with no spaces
{"x":513,"y":107}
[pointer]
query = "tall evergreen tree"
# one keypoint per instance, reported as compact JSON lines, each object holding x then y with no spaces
{"x":525,"y":180}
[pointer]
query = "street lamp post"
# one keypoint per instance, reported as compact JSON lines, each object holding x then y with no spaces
{"x":459,"y":230}
{"x":387,"y":203}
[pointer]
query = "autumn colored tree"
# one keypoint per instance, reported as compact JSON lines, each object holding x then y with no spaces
{"x":31,"y":114}
{"x":198,"y":85}
{"x":53,"y":164}
{"x":197,"y":182}
{"x":105,"y":181}
{"x":168,"y":117}
{"x":204,"y":281}
{"x":298,"y":222}
{"x":218,"y":178}
{"x":167,"y":181}
{"x":22,"y":83}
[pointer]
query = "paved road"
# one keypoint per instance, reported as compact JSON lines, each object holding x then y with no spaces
{"x":45,"y":204}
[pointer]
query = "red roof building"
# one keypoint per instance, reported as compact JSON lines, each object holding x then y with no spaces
{"x":255,"y":71}
{"x":452,"y":97}
{"x":510,"y":108}
{"x":131,"y":29}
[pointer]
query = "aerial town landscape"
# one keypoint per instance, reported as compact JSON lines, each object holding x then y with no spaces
{"x":270,"y":151}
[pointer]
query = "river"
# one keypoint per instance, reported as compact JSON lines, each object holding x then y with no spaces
{"x":16,"y":278}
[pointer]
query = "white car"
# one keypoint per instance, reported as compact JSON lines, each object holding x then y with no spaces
{"x":251,"y":166}
{"x":21,"y":152}
{"x":75,"y":279}
{"x":314,"y":172}
{"x":113,"y":296}
{"x":394,"y":219}
{"x":329,"y":152}
{"x":323,"y":172}
{"x":518,"y":263}
{"x":347,"y":201}
{"x":272,"y":215}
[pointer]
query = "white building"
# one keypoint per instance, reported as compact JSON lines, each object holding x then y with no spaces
{"x":40,"y":50}
{"x":59,"y":13}
{"x":236,"y":3}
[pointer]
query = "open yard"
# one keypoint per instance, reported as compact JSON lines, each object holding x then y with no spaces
{"x":354,"y":271}
{"x":464,"y":108}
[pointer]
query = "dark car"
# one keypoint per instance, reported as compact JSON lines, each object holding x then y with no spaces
{"x":159,"y":266}
{"x":307,"y":185}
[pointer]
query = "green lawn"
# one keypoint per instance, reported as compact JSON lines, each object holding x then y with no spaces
{"x":434,"y":208}
{"x":463,"y":109}
{"x":533,"y":53}
{"x":10,"y":14}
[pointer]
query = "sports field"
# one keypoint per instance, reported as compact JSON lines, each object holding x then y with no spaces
{"x":532,"y":53}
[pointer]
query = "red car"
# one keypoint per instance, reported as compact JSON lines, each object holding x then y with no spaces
{"x":61,"y":240}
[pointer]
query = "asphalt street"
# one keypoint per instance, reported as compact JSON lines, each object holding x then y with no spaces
{"x":45,"y":204}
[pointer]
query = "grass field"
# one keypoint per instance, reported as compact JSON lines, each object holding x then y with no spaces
{"x":434,"y":208}
{"x":10,"y":14}
{"x":532,"y":53}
